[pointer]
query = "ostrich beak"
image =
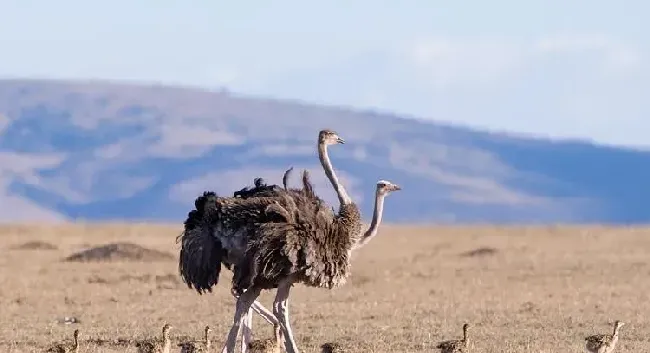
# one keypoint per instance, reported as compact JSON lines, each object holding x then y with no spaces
{"x":340,"y":140}
{"x":396,"y":187}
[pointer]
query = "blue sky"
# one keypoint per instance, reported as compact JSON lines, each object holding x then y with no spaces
{"x":566,"y":68}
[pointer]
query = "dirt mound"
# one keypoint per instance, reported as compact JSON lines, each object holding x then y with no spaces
{"x":483,"y":251}
{"x":35,"y":245}
{"x":119,"y":252}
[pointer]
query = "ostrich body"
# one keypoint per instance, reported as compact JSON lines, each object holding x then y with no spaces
{"x":603,"y":343}
{"x":154,"y":345}
{"x":332,"y":347}
{"x":66,"y":348}
{"x":268,"y":345}
{"x":192,"y":347}
{"x":269,"y":255}
{"x":456,"y":346}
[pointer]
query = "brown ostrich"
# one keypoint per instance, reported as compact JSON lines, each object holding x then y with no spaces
{"x":66,"y":348}
{"x":197,"y":347}
{"x":456,"y":346}
{"x":153,"y":345}
{"x":603,"y":343}
{"x":268,"y":345}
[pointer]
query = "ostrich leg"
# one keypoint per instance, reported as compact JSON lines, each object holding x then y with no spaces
{"x":247,"y":330}
{"x":247,"y":325}
{"x":244,"y":303}
{"x":264,"y":313}
{"x":281,"y":311}
{"x":260,"y":309}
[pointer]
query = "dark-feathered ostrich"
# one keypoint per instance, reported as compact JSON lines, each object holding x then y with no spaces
{"x":202,"y":252}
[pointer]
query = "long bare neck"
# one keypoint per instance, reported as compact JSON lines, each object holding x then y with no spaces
{"x":75,"y":347}
{"x":615,"y":333}
{"x":166,"y":341}
{"x":207,"y":340}
{"x":465,"y":334}
{"x":376,"y":221}
{"x":344,"y":199}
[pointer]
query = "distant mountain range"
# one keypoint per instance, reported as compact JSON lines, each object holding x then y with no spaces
{"x":97,"y":150}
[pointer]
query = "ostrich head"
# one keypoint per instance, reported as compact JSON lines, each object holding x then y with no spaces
{"x":617,"y":325}
{"x":76,"y":334}
{"x":466,"y":327}
{"x":207,"y":330}
{"x":166,"y":329}
{"x":385,"y":187}
{"x":329,"y":137}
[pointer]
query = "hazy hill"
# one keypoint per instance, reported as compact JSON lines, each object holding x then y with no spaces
{"x":101,"y":151}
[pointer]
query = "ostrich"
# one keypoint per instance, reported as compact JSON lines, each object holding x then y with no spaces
{"x":153,"y":345}
{"x":202,"y":253}
{"x":332,"y":347}
{"x":456,"y":346}
{"x":603,"y":343}
{"x":268,"y":345}
{"x":307,"y":248}
{"x":63,"y":348}
{"x":194,"y":347}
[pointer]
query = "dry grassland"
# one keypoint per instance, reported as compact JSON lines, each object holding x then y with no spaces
{"x":528,"y":290}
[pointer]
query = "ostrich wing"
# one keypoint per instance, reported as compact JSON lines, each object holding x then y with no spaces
{"x":201,"y":254}
{"x":219,"y":227}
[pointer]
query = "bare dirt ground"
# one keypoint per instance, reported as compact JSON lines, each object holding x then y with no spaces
{"x":524,"y":290}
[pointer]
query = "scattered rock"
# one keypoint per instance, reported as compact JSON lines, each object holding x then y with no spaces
{"x":119,"y":252}
{"x":68,"y":320}
{"x":35,"y":245}
{"x":482,"y":251}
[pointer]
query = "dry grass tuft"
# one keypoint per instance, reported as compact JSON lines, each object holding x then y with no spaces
{"x":35,"y":245}
{"x":119,"y":252}
{"x":543,"y":291}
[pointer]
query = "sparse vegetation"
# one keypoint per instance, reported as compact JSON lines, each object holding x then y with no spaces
{"x":544,"y":291}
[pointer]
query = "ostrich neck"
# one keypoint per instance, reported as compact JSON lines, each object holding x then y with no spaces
{"x":376,"y":220}
{"x":344,"y":199}
{"x":167,"y":344}
{"x":166,"y":340}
